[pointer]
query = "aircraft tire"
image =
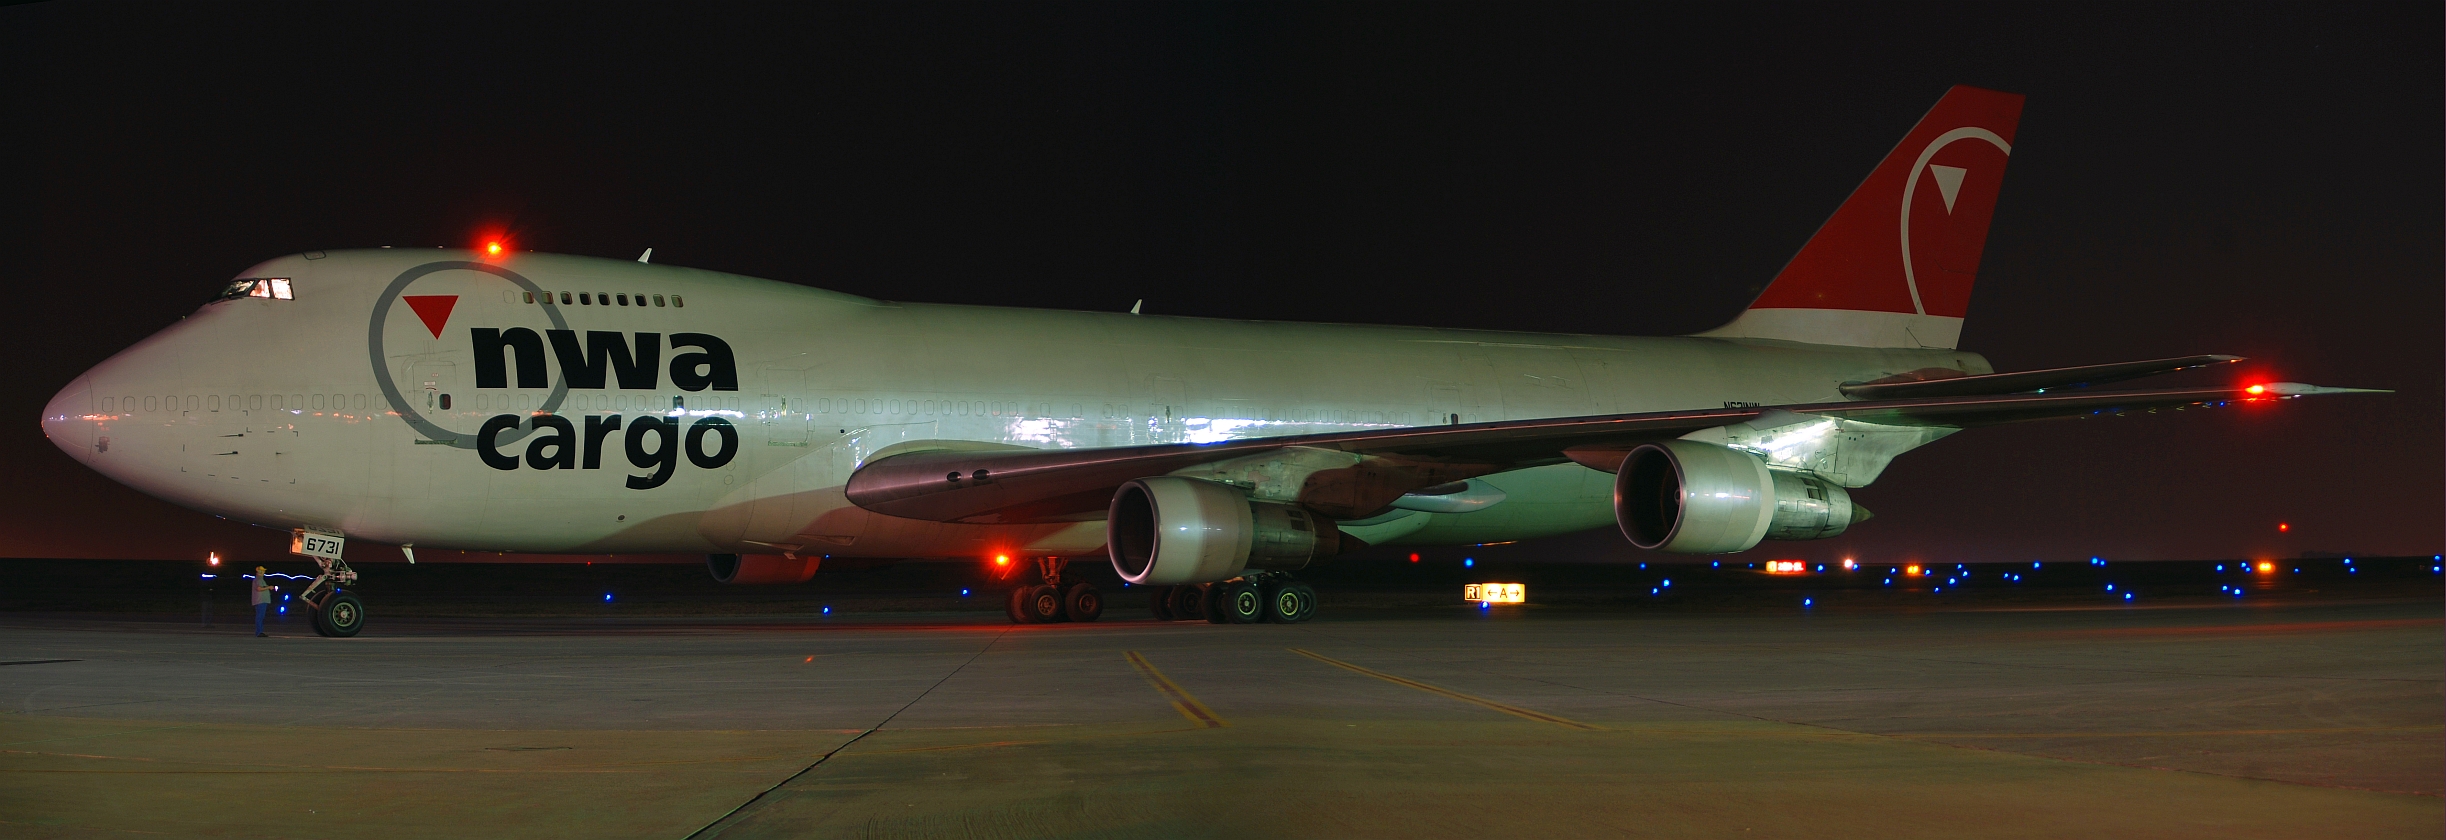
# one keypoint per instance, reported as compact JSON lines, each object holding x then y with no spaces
{"x":1210,"y":599}
{"x":1281,"y":602}
{"x":1241,"y":602}
{"x":1159,"y":602}
{"x":315,"y":617}
{"x":1011,"y":604}
{"x":1307,"y":603}
{"x":1082,"y":602}
{"x":344,"y":616}
{"x":1043,"y":604}
{"x":1188,"y":602}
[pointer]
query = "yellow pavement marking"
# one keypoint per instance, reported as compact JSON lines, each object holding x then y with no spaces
{"x":1441,"y":691}
{"x":1188,"y":706}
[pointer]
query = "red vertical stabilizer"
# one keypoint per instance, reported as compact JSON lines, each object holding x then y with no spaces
{"x":1893,"y":267}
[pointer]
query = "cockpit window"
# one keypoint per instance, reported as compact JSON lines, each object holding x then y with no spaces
{"x":276,"y":288}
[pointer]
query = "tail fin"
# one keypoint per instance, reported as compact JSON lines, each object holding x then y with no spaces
{"x":1894,"y":265}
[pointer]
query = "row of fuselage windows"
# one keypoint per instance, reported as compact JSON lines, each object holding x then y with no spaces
{"x":614,"y":402}
{"x":592,"y":402}
{"x":599,"y":299}
{"x":1111,"y":411}
{"x":236,"y":402}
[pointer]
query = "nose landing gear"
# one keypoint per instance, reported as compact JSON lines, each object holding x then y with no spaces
{"x":335,"y":613}
{"x":1052,"y":601}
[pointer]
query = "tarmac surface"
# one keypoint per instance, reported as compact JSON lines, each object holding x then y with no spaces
{"x":2198,"y":720}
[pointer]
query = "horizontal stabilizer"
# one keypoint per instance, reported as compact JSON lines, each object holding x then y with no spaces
{"x":1947,"y":382}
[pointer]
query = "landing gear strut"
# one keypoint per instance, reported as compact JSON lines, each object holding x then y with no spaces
{"x":1053,"y":601}
{"x":335,"y":612}
{"x":1271,"y":597}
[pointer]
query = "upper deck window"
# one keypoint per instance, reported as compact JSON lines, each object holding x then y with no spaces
{"x":276,"y":288}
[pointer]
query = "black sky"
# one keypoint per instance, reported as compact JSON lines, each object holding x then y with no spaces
{"x":2253,"y":179}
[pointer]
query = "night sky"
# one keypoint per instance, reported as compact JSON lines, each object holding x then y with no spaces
{"x":2252,"y":179}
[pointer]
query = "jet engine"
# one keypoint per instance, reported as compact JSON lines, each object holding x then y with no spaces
{"x":760,"y":568}
{"x":1699,"y":498}
{"x":1171,"y":530}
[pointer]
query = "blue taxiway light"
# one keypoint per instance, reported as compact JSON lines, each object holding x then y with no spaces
{"x":1821,"y":567}
{"x":2033,"y":564}
{"x":1486,"y":605}
{"x":1715,"y":564}
{"x":827,"y":610}
{"x":1655,"y":591}
{"x":1889,"y":581}
{"x":606,"y":597}
{"x":2110,"y":587}
{"x":1643,"y":565}
{"x":1668,"y":581}
{"x":1470,"y":561}
{"x":2127,"y":596}
{"x":1808,"y":601}
{"x":963,"y":593}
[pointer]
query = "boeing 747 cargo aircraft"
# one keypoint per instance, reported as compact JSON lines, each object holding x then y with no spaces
{"x":502,"y":400}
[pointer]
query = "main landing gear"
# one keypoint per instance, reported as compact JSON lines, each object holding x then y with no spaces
{"x":1052,"y":601}
{"x":1259,"y":597}
{"x":336,"y":613}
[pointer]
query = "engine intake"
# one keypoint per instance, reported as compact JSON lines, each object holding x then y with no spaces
{"x":760,"y":568}
{"x":1171,"y":529}
{"x":1699,"y":498}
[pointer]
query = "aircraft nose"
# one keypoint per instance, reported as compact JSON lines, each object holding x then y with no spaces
{"x":67,"y":420}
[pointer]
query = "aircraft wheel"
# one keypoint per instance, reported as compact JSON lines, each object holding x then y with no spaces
{"x":343,"y":616}
{"x":1242,"y":602}
{"x":1211,"y":598}
{"x":1290,"y":602}
{"x":1082,"y":602}
{"x":1159,"y":602}
{"x":1188,"y":602}
{"x":1019,"y":595}
{"x":1043,"y":604}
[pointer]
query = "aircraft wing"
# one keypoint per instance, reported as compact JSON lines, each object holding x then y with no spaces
{"x":1005,"y":486}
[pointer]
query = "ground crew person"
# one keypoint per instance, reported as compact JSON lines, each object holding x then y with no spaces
{"x":263,"y":598}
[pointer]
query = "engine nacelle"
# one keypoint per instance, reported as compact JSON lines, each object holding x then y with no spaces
{"x":1699,"y":498}
{"x":760,"y":568}
{"x":1171,"y":529}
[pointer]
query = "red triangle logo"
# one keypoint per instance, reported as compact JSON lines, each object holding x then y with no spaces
{"x":434,"y":310}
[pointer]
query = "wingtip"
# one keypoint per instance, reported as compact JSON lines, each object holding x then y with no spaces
{"x":2303,"y":389}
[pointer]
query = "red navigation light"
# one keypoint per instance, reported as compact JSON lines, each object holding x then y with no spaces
{"x":2257,"y":389}
{"x":2282,"y":527}
{"x":1002,"y":559}
{"x":493,"y":249}
{"x":1413,"y":558}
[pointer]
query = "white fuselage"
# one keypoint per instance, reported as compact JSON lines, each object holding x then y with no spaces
{"x":343,"y":409}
